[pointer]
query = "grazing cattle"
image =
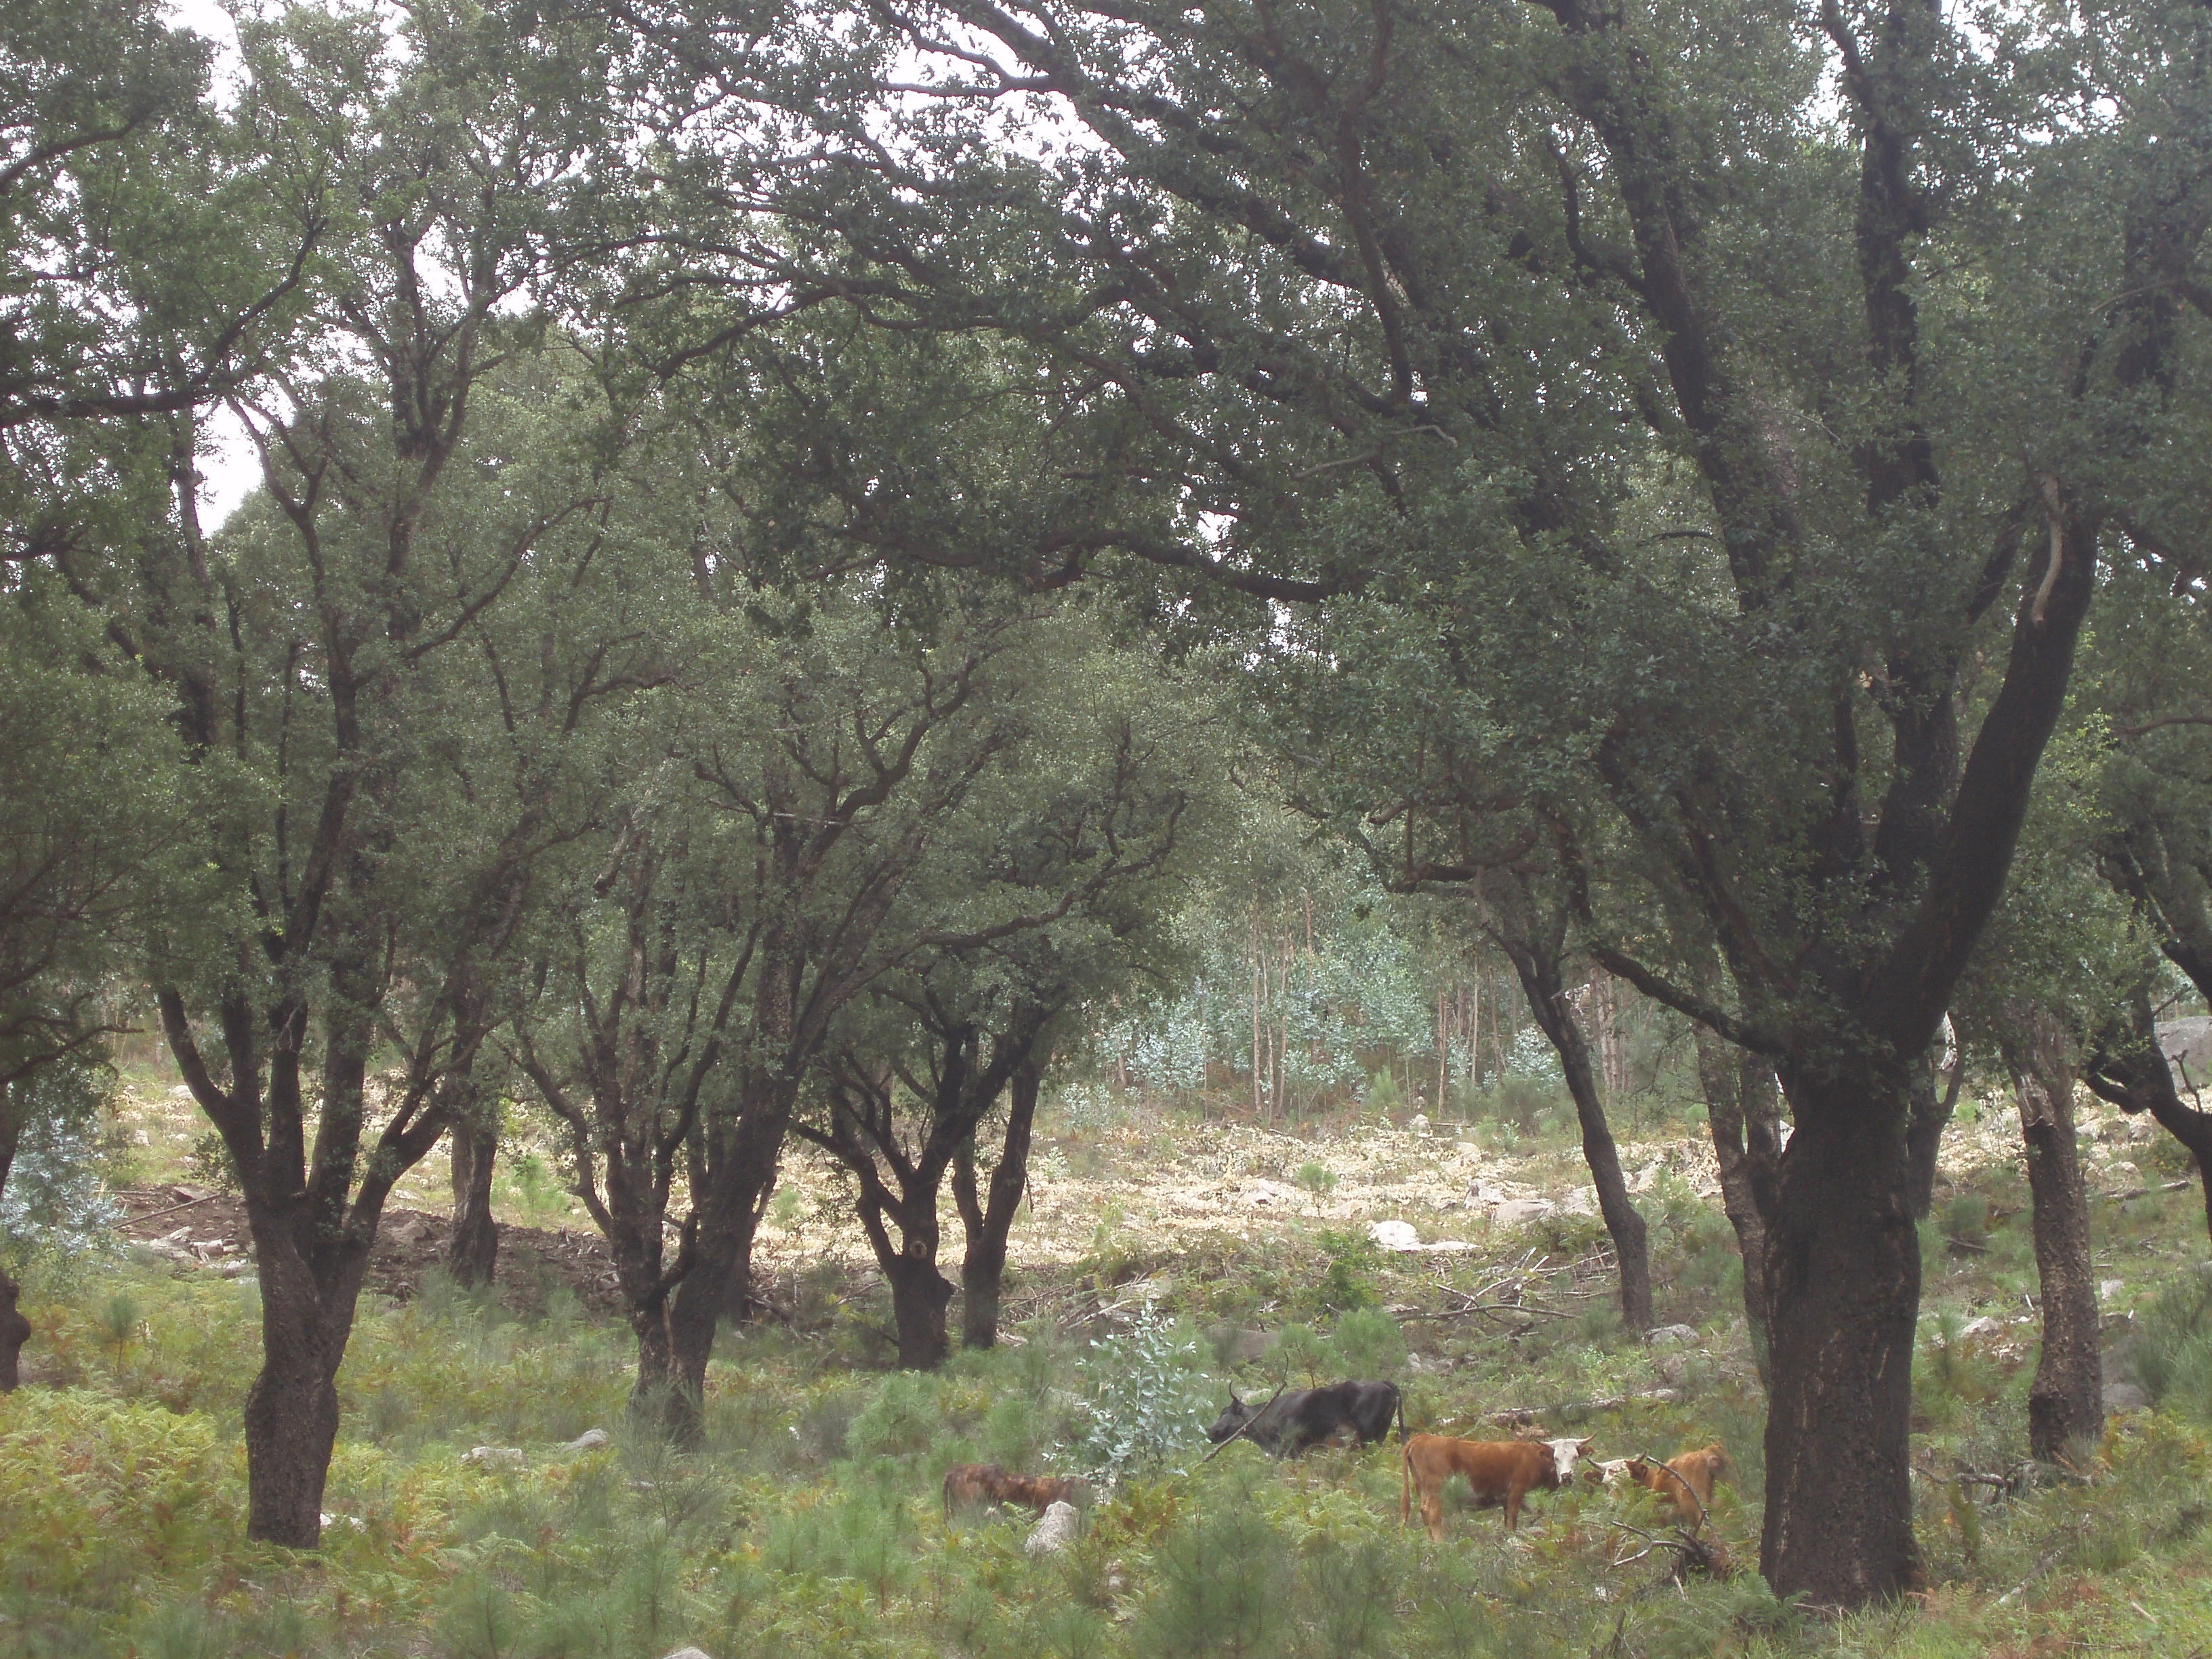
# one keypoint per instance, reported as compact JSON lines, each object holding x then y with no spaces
{"x":1303,"y":1419}
{"x":1499,"y":1471}
{"x":1685,"y":1482}
{"x":967,"y":1485}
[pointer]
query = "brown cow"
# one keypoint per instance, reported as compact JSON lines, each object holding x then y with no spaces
{"x":1499,"y":1471}
{"x":1684,"y":1482}
{"x":967,"y":1484}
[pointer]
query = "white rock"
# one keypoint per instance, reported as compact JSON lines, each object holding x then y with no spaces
{"x":495,"y":1457}
{"x":1055,"y":1532}
{"x":1420,"y":1125}
{"x":1517,"y":1212}
{"x":1395,"y":1235}
{"x":590,"y":1440}
{"x":689,"y":1653}
{"x":1670,"y":1336}
{"x":2123,"y":1171}
{"x":1984,"y":1326}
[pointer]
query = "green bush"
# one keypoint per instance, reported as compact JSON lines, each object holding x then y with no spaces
{"x":1317,"y":1178}
{"x":2171,"y":1353}
{"x":1221,"y":1586}
{"x":1145,"y":1400}
{"x":1368,"y":1344}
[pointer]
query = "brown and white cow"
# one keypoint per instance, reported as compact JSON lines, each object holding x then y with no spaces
{"x":967,"y":1485}
{"x":1499,"y":1471}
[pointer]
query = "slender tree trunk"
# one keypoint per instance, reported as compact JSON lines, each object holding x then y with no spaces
{"x":1547,"y":1000}
{"x":986,"y":1221}
{"x":472,"y":1254}
{"x":1923,"y":1134}
{"x":1744,"y":1114}
{"x":2066,"y":1405}
{"x":14,"y":1329}
{"x":1843,"y":1275}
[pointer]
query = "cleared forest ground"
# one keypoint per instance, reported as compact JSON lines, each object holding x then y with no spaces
{"x":466,"y":1519}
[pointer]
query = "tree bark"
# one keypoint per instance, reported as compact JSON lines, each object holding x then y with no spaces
{"x":1542,"y":981}
{"x":1923,"y":1133}
{"x":1844,"y":1273}
{"x":1743,"y":1110}
{"x":472,"y":1253}
{"x":292,"y":1414}
{"x":2065,"y":1406}
{"x":986,"y":1220}
{"x":739,"y":1174}
{"x":14,"y":1329}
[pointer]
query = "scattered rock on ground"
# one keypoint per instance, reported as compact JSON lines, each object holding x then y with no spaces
{"x":1055,"y":1532}
{"x":2125,"y":1397}
{"x":495,"y":1457}
{"x":1395,"y":1235}
{"x":590,"y":1440}
{"x":689,"y":1653}
{"x":1670,"y":1336}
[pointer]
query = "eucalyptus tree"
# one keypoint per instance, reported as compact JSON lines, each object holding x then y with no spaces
{"x":1720,"y":425}
{"x":1053,"y":889}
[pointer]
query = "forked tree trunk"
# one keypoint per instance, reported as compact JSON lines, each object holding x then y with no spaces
{"x":1843,"y":1275}
{"x":740,"y":1176}
{"x":1744,"y":1117}
{"x":2066,"y":1405}
{"x":2131,"y":1071}
{"x":987,"y":1219}
{"x":472,"y":1253}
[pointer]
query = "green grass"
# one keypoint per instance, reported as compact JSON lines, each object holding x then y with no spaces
{"x":810,"y":1521}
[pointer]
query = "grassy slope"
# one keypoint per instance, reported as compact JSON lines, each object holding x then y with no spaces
{"x":810,"y":1523}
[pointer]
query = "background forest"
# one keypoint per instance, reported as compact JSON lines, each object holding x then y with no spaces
{"x":832,"y":737}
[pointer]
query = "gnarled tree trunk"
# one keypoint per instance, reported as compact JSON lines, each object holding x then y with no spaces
{"x":472,"y":1253}
{"x":1743,"y":1107}
{"x":987,"y":1219}
{"x":2066,"y":1405}
{"x":1843,"y":1268}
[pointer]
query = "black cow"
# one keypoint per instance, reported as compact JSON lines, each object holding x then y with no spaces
{"x":1302,"y":1418}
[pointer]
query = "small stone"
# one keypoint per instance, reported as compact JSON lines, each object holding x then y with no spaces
{"x":495,"y":1457}
{"x":1055,"y":1532}
{"x":1984,"y":1326}
{"x":1419,"y":1126}
{"x":2109,"y":1288}
{"x":2124,"y":1397}
{"x":1670,"y":1336}
{"x":689,"y":1653}
{"x":1395,"y":1235}
{"x":590,"y":1440}
{"x":2123,"y":1171}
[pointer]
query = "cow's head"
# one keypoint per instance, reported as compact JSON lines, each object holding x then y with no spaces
{"x":1613,"y":1474}
{"x":1564,"y":1455}
{"x":1234,"y":1416}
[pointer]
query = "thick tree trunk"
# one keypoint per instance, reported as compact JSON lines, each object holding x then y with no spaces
{"x":1547,"y":1000}
{"x":920,"y":1298}
{"x":988,"y":1219}
{"x":1741,"y":1105}
{"x":15,"y":1331}
{"x":2066,"y":1405}
{"x":740,"y":1178}
{"x":1844,"y":1273}
{"x":472,"y":1253}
